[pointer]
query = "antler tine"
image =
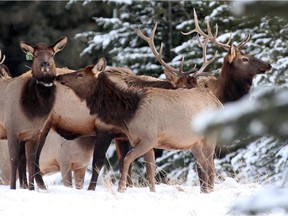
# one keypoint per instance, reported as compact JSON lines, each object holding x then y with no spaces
{"x":3,"y":58}
{"x":205,"y":61}
{"x":243,"y":42}
{"x":210,"y":35}
{"x":158,"y":55}
{"x":213,"y":39}
{"x":197,"y":28}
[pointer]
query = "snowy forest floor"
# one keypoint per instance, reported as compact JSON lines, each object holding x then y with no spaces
{"x":168,"y":200}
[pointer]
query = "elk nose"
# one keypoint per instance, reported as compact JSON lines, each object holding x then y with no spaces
{"x":44,"y":64}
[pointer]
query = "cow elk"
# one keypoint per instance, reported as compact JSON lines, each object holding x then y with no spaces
{"x":71,"y":122}
{"x":26,"y":102}
{"x":149,"y":117}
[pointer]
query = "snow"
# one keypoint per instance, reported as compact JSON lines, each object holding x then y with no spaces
{"x":168,"y":200}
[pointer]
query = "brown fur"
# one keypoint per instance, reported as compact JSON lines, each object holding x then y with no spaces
{"x":37,"y":100}
{"x":17,"y":125}
{"x":57,"y":155}
{"x":235,"y":78}
{"x":162,"y":119}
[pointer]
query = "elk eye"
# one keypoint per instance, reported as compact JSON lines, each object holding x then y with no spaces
{"x":80,"y":75}
{"x":245,"y":60}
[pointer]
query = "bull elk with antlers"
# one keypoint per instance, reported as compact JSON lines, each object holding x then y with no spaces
{"x":26,"y":102}
{"x":237,"y":73}
{"x":238,"y":69}
{"x":150,"y":118}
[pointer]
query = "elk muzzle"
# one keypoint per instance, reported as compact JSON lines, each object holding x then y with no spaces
{"x":45,"y":67}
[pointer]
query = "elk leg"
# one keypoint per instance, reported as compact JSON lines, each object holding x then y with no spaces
{"x":31,"y":149}
{"x":208,"y":151}
{"x":79,"y":175}
{"x":140,"y":149}
{"x":202,"y":167}
{"x":14,"y":151}
{"x":122,"y":148}
{"x":102,"y":142}
{"x":22,"y":167}
{"x":40,"y":143}
{"x":66,"y":175}
{"x":149,"y":158}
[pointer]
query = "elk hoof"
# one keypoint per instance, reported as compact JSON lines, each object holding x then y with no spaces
{"x":121,"y":189}
{"x":42,"y":187}
{"x":152,"y":189}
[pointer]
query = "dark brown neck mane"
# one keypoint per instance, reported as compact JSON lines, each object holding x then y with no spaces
{"x":112,"y":104}
{"x":36,"y":99}
{"x":232,"y":87}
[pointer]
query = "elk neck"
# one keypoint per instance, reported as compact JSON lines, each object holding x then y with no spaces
{"x":37,"y":100}
{"x":112,"y":103}
{"x":231,"y":86}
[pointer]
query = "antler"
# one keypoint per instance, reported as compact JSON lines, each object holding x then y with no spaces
{"x":210,"y":35}
{"x":158,"y":55}
{"x":3,"y":57}
{"x":243,"y":42}
{"x":206,"y":62}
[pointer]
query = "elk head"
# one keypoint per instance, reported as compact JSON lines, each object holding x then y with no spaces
{"x":81,"y":80}
{"x":43,"y":66}
{"x":244,"y":66}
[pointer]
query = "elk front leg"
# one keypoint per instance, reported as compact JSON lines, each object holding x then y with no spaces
{"x":202,"y":167}
{"x":22,"y":167}
{"x":31,"y":149}
{"x":14,"y":152}
{"x":204,"y":154}
{"x":66,"y":175}
{"x":79,"y":175}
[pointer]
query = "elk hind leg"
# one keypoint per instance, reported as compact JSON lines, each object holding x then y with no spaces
{"x":140,"y":149}
{"x":122,"y":148}
{"x":149,"y":158}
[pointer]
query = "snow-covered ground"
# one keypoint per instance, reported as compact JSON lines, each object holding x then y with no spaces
{"x":168,"y":200}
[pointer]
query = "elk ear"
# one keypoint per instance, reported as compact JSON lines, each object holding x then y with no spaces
{"x":26,"y":47}
{"x":60,"y":44}
{"x":99,"y":66}
{"x":231,"y":53}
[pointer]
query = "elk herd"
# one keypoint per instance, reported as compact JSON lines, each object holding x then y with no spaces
{"x":57,"y":119}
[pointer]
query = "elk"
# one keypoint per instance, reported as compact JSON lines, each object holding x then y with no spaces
{"x":238,"y":69}
{"x":26,"y":102}
{"x":58,"y":154}
{"x":237,"y":73}
{"x":71,"y":122}
{"x":149,"y":117}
